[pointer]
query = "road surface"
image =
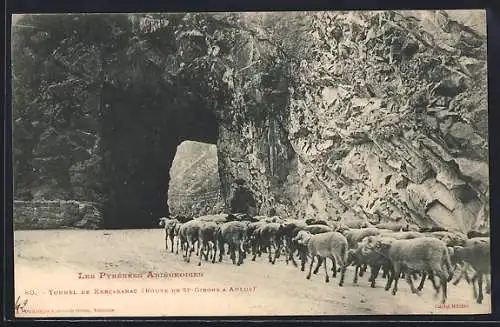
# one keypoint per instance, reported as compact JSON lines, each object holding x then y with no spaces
{"x":48,"y":266}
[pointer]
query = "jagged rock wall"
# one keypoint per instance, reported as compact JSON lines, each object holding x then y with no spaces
{"x":387,"y":121}
{"x":55,"y":214}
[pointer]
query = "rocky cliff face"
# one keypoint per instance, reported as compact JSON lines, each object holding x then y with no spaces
{"x":56,"y":214}
{"x":386,"y":121}
{"x":195,"y":188}
{"x":335,"y":115}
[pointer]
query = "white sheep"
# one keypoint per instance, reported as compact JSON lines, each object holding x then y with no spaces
{"x":331,"y":245}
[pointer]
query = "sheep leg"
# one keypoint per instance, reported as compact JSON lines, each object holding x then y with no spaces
{"x":473,"y":282}
{"x":254,"y":249}
{"x":288,"y":248}
{"x":374,"y":272}
{"x":443,"y":278}
{"x":201,"y":252}
{"x":480,"y":287}
{"x":189,"y":249}
{"x":303,"y":257}
{"x":279,"y":245}
{"x":277,"y":252}
{"x":459,"y":277}
{"x":184,"y":249}
{"x":269,"y":253}
{"x":397,"y":272}
{"x":166,"y":241}
{"x":240,"y":253}
{"x":172,"y":243}
{"x":243,"y":251}
{"x":355,"y":280}
{"x":421,"y":285}
{"x":291,"y":253}
{"x":444,"y":284}
{"x":343,"y":268}
{"x":208,"y":251}
{"x":214,"y":251}
{"x":221,"y":249}
{"x":362,"y":270}
{"x":433,"y":281}
{"x":488,"y":285}
{"x":327,"y":278}
{"x":390,"y":275}
{"x":214,"y":254}
{"x":320,"y":261}
{"x":310,"y":268}
{"x":409,"y":280}
{"x":334,"y":268}
{"x":466,"y":276}
{"x":191,"y":245}
{"x":384,"y":273}
{"x":287,"y":252}
{"x":232,"y":252}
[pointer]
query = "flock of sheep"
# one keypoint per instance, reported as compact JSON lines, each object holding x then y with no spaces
{"x":399,"y":251}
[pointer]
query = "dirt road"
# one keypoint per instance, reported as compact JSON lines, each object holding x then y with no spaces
{"x":48,"y":262}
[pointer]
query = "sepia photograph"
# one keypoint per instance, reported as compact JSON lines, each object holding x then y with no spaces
{"x":209,"y":164}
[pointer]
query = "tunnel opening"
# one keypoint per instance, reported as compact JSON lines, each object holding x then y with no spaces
{"x":195,"y":186}
{"x":141,"y":131}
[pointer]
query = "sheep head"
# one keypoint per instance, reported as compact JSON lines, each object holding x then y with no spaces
{"x":366,"y":224}
{"x":342,"y":228}
{"x":163,"y":221}
{"x":302,"y":237}
{"x":456,"y":256}
{"x":383,"y":244}
{"x":351,"y":255}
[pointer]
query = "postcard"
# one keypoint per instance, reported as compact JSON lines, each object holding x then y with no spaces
{"x":250,"y":164}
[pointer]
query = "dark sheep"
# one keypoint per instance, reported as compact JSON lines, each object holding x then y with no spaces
{"x":177,"y":228}
{"x":253,"y":240}
{"x":207,"y":239}
{"x":424,"y":254}
{"x":183,"y":219}
{"x":189,"y":234}
{"x":432,"y":229}
{"x":475,"y":252}
{"x":219,"y":219}
{"x":289,"y":227}
{"x":271,"y":237}
{"x":473,"y":234}
{"x":169,"y":225}
{"x":234,"y":233}
{"x":359,"y":257}
{"x":313,"y":221}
